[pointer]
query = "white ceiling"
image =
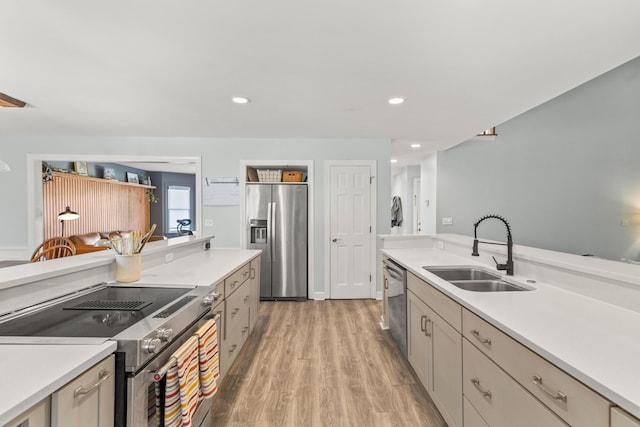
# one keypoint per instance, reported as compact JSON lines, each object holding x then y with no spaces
{"x":313,"y":69}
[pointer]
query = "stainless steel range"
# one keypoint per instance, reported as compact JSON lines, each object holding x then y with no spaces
{"x":148,"y":324}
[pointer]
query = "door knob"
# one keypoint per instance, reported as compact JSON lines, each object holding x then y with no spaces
{"x":335,"y":240}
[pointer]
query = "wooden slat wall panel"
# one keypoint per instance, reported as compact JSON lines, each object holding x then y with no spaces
{"x":102,"y":205}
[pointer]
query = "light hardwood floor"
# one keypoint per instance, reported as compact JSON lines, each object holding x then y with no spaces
{"x":322,"y":363}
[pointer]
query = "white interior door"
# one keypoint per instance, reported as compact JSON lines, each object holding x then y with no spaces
{"x":416,"y":206}
{"x":350,"y":231}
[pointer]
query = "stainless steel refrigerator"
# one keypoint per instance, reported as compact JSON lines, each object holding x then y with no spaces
{"x":277,"y":224}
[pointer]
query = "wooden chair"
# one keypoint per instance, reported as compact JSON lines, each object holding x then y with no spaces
{"x":55,"y":247}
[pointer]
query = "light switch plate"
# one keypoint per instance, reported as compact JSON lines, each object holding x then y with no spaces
{"x":447,"y":221}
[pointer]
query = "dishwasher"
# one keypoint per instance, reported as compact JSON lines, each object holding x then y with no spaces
{"x":395,"y":283}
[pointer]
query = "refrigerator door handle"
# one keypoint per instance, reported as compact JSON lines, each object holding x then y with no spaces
{"x":273,"y":230}
{"x":269,"y":233}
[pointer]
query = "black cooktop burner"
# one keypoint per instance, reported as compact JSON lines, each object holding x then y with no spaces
{"x":103,"y":313}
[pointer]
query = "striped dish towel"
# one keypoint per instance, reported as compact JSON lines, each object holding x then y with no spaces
{"x":209,"y":361}
{"x":182,"y":391}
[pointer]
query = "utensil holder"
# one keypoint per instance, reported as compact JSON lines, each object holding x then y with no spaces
{"x":128,"y":268}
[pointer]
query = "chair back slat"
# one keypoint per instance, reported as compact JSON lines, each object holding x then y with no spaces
{"x":55,"y":247}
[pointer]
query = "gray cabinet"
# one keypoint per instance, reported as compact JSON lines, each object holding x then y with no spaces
{"x":38,"y":415}
{"x":88,"y":400}
{"x":238,"y":312}
{"x":254,"y":292}
{"x":435,"y":346}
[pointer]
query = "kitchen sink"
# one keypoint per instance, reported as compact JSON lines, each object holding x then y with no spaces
{"x":487,"y":285}
{"x":474,"y":279}
{"x":462,"y":273}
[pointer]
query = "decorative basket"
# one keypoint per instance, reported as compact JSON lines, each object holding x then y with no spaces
{"x":269,"y":175}
{"x":291,"y":176}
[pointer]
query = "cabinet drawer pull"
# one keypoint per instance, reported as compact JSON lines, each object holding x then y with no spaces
{"x":102,"y":377}
{"x":476,"y":382}
{"x":425,"y":327}
{"x":537,"y":380}
{"x":234,"y":312}
{"x":233,"y":348}
{"x":235,"y":282}
{"x":244,"y":330}
{"x":245,"y":273}
{"x":476,"y":334}
{"x":253,"y":273}
{"x":246,"y":298}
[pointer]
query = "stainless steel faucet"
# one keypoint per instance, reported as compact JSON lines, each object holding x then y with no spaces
{"x":508,"y":266}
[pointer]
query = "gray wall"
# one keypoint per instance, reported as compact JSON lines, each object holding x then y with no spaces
{"x":220,"y":158}
{"x":565,"y":174}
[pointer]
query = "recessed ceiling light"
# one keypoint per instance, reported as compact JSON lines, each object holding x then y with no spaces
{"x":396,"y":101}
{"x":415,"y":145}
{"x":394,"y":160}
{"x":240,"y":100}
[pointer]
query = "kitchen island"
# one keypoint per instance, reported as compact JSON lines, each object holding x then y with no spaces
{"x":33,"y":372}
{"x":594,"y":341}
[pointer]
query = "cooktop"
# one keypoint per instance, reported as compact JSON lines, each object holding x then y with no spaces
{"x":102,"y":313}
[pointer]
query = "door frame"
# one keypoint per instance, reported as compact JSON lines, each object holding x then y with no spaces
{"x":373,"y":200}
{"x":417,"y":208}
{"x":310,"y":211}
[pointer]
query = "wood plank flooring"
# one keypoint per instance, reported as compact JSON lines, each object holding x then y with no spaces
{"x":322,"y":363}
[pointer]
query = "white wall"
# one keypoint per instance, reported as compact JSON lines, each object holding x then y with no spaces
{"x":221,"y":157}
{"x":428,"y":184}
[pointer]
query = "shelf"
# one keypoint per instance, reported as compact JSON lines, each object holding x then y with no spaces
{"x":252,"y":174}
{"x":91,"y":178}
{"x":274,"y":183}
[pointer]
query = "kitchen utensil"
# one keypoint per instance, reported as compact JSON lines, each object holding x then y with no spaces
{"x":146,"y":237}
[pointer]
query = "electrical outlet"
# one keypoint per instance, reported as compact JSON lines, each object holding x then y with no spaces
{"x":208,"y":222}
{"x":447,"y":221}
{"x":168,"y":257}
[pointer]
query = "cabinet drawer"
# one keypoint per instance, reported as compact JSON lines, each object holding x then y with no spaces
{"x":447,"y":308}
{"x":471,"y":417}
{"x":38,"y":415}
{"x":88,"y":400}
{"x":232,"y":346}
{"x":573,"y":401}
{"x":620,"y":418}
{"x":498,"y":399}
{"x":237,"y":310}
{"x":236,"y":279}
{"x":237,"y":328}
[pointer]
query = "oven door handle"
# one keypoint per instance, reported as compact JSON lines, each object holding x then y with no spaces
{"x":102,"y":377}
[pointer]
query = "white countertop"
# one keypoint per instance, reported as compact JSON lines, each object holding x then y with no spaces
{"x":596,"y":342}
{"x":202,"y":269}
{"x":29,"y":373}
{"x":32,"y":372}
{"x":29,"y":272}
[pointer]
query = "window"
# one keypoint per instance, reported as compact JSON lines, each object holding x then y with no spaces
{"x":178,"y":206}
